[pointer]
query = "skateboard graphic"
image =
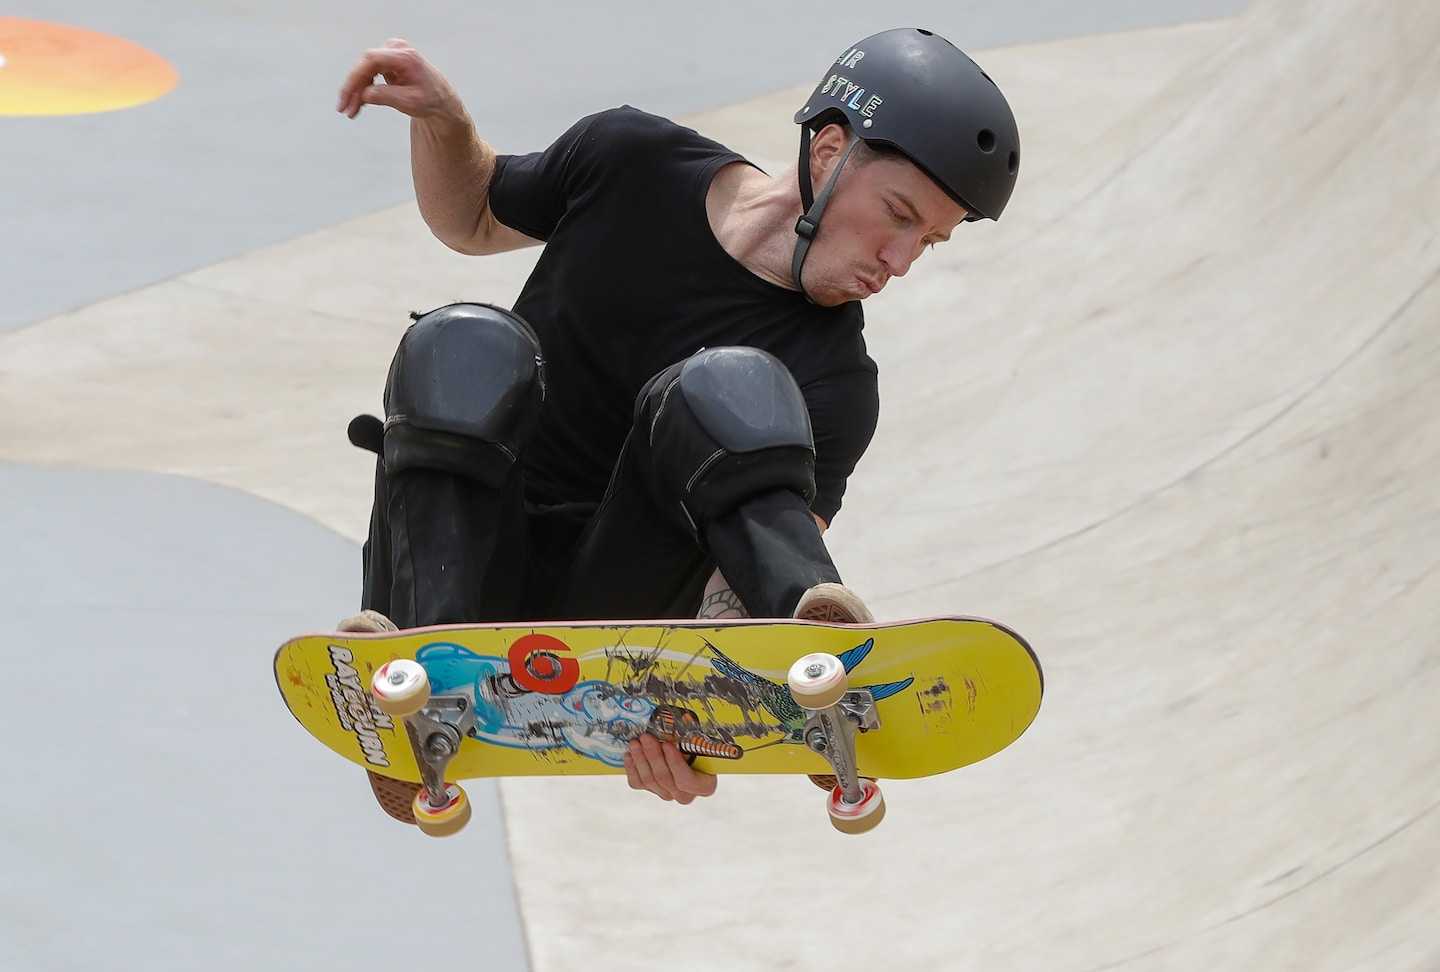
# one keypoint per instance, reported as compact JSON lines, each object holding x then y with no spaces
{"x":858,"y":702}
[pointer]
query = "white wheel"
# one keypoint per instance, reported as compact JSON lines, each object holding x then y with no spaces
{"x":448,"y":818}
{"x":400,"y":687}
{"x":817,"y":681}
{"x":860,"y":817}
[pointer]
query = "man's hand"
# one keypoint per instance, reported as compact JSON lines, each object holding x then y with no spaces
{"x":412,"y":84}
{"x":661,"y":769}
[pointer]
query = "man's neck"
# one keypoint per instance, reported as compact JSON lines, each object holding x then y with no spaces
{"x":753,"y":217}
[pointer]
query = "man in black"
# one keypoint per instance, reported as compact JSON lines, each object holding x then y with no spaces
{"x":666,"y":420}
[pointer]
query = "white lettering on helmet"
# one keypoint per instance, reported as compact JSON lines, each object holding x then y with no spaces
{"x":851,"y":94}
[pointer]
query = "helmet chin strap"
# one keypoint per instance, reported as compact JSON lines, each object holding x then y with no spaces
{"x":807,"y":227}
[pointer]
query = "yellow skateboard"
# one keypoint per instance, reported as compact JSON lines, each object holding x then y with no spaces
{"x":856,"y":702}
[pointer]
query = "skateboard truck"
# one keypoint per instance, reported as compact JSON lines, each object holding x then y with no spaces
{"x":435,"y":725}
{"x":831,"y":733}
{"x":819,"y":684}
{"x":435,"y":733}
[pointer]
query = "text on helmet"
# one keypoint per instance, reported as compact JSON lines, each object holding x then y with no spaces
{"x":852,"y":94}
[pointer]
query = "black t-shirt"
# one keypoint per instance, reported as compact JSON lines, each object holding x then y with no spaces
{"x":632,"y":280}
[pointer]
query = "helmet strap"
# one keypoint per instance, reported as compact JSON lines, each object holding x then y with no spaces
{"x":807,"y":196}
{"x":807,"y":227}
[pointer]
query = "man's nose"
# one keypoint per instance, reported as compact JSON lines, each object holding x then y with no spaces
{"x":896,"y":261}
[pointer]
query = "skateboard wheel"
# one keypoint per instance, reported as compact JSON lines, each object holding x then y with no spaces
{"x":444,"y":820}
{"x":817,"y":681}
{"x":859,"y":817}
{"x":400,"y":687}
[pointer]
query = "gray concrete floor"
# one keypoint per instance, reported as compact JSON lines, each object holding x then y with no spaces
{"x":163,"y":811}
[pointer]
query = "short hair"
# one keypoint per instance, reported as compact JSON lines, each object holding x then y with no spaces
{"x":865,"y":152}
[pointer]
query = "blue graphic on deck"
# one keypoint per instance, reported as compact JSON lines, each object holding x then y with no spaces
{"x":597,"y":719}
{"x":777,"y":700}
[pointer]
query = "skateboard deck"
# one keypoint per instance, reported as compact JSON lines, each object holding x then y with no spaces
{"x":560,"y":699}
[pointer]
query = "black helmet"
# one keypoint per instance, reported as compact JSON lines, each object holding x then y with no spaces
{"x":913,"y":91}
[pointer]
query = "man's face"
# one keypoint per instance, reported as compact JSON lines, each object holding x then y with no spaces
{"x":883,"y":216}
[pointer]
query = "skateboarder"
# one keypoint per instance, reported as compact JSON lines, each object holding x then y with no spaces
{"x":665,"y":422}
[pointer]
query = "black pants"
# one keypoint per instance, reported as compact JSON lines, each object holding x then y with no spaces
{"x":445,"y":548}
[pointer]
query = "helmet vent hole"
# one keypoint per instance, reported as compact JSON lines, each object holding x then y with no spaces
{"x":1014,"y":162}
{"x":927,"y":33}
{"x":986,"y":140}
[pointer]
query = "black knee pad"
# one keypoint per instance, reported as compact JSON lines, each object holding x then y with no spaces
{"x":464,"y":392}
{"x":730,"y":424}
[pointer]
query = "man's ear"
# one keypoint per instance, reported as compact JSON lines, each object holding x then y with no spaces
{"x":826,"y":148}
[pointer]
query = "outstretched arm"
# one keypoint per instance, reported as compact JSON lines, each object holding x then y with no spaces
{"x":451,"y":165}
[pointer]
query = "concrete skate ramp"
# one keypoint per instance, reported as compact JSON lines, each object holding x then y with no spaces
{"x":1174,"y":419}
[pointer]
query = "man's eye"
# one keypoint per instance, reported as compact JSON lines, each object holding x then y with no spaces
{"x":895,"y":214}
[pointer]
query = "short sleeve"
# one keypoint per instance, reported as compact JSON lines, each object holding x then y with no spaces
{"x":531,"y":193}
{"x":844,"y":410}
